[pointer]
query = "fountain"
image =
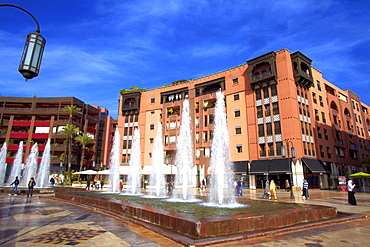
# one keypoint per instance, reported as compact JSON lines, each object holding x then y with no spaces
{"x":31,"y":166}
{"x":133,"y":180}
{"x":222,"y":190}
{"x":114,"y":164}
{"x":17,"y":165}
{"x":184,"y":157}
{"x":157,"y":179}
{"x":44,"y":169}
{"x":3,"y":163}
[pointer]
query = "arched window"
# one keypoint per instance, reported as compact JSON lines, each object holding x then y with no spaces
{"x":346,"y":112}
{"x":334,"y":106}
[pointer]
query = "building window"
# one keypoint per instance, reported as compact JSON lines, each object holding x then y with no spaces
{"x":266,"y":92}
{"x":238,"y":130}
{"x":317,"y":115}
{"x":211,"y":119}
{"x":130,"y":130}
{"x":150,"y":155}
{"x":236,"y":97}
{"x":258,"y":94}
{"x":152,"y":126}
{"x":237,"y":113}
{"x":269,"y":129}
{"x":235,"y":80}
{"x":277,"y":128}
{"x":152,"y":113}
{"x":319,"y":132}
{"x":323,"y":117}
{"x":278,"y":148}
{"x":267,"y":110}
{"x":125,"y":131}
{"x":314,"y":98}
{"x":273,"y":90}
{"x":328,"y":152}
{"x":151,"y":140}
{"x":262,"y":150}
{"x":197,"y":137}
{"x":322,"y":154}
{"x":259,"y":112}
{"x":261,"y":130}
{"x":321,"y":102}
{"x":326,"y":134}
{"x":271,"y":149}
{"x":172,"y":139}
{"x":275,"y":108}
{"x":239,"y":148}
{"x":205,"y":136}
{"x":152,"y":100}
{"x":318,"y":86}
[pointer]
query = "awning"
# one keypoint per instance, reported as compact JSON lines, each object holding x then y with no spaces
{"x":316,"y":166}
{"x":273,"y":166}
{"x":241,"y":167}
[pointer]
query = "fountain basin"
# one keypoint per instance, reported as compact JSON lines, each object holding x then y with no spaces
{"x":200,"y":228}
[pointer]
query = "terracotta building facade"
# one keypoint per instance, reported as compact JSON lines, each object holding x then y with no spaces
{"x":283,"y":118}
{"x":35,"y":120}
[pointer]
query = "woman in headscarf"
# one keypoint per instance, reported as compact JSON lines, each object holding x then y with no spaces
{"x":273,"y":190}
{"x":351,"y":194}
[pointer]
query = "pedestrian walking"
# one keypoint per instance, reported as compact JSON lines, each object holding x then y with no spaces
{"x":101,"y":184}
{"x":287,"y":185}
{"x":305,"y":189}
{"x":199,"y":185}
{"x":351,"y":194}
{"x":273,"y":190}
{"x":97,"y":185}
{"x":15,"y":186}
{"x":88,"y":184}
{"x":52,"y":181}
{"x":240,"y":188}
{"x":204,"y":183}
{"x":31,"y":184}
{"x":266,"y":192}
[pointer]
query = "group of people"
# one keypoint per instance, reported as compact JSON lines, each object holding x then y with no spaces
{"x":96,"y":184}
{"x":202,"y":185}
{"x":31,"y":184}
{"x":270,"y":190}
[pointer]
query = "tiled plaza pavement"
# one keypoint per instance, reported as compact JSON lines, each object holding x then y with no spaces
{"x":36,"y":222}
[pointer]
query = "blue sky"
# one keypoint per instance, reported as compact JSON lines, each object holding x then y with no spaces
{"x":95,"y":48}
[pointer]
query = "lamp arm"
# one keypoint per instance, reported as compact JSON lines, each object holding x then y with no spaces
{"x":15,"y":6}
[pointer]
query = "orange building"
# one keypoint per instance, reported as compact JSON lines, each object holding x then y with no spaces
{"x":274,"y":102}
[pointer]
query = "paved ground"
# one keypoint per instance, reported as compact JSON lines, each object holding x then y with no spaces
{"x":35,"y":222}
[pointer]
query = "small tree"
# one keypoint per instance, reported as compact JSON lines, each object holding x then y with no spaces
{"x":70,"y":130}
{"x":84,"y":140}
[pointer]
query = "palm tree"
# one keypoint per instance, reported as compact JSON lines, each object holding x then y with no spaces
{"x":84,"y":140}
{"x":71,"y":110}
{"x":70,"y":130}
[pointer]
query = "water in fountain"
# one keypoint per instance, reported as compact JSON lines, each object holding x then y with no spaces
{"x":157,"y":179}
{"x":31,"y":165}
{"x":3,"y":163}
{"x":184,"y":157}
{"x":114,"y":164}
{"x":222,"y":191}
{"x":133,"y":178}
{"x":17,"y":164}
{"x":44,"y":170}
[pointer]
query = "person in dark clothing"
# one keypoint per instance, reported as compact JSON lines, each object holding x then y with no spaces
{"x":52,"y":181}
{"x":88,"y":184}
{"x":31,"y":184}
{"x":15,"y":187}
{"x":351,"y":194}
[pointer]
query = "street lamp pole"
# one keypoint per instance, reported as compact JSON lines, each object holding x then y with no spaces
{"x":283,"y":153}
{"x":33,"y":50}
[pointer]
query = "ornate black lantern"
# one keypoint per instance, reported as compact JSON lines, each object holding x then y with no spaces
{"x":30,"y":63}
